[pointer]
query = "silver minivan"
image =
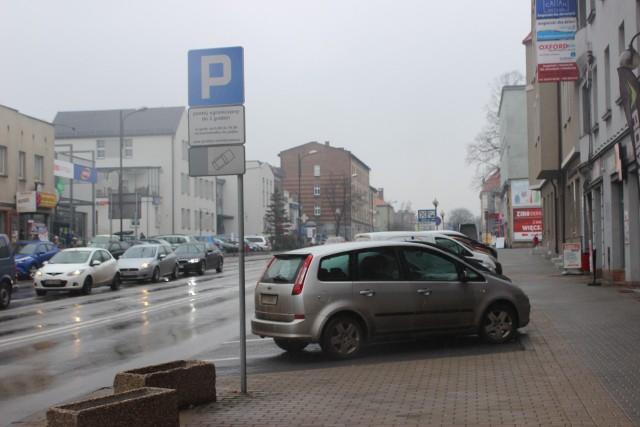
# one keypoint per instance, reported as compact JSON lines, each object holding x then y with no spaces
{"x":343,"y":296}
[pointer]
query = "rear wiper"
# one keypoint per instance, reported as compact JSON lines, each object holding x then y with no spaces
{"x":280,"y":278}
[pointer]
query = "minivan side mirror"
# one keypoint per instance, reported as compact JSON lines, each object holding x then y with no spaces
{"x":464,"y":276}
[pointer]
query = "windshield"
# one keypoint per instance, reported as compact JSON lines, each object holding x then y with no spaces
{"x":70,"y":257}
{"x":98,"y":245}
{"x":140,"y":252}
{"x":189,"y":248}
{"x":25,"y":248}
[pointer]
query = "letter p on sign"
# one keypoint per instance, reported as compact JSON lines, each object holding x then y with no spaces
{"x":216,"y":77}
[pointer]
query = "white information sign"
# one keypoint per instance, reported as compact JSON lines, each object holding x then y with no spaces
{"x":216,"y":125}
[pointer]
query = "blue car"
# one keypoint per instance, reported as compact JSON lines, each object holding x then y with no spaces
{"x":31,"y":254}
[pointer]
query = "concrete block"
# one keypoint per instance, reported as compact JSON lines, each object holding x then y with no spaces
{"x":143,"y":407}
{"x":193,"y":380}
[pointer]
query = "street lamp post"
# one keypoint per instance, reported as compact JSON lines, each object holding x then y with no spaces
{"x":300,"y":157}
{"x":122,"y":119}
{"x":442,"y":215}
{"x":435,"y":205}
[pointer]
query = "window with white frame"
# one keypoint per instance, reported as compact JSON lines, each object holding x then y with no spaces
{"x":100,"y":148}
{"x":22,"y":165}
{"x":38,"y":169}
{"x":316,"y":190}
{"x":316,"y":170}
{"x":128,"y":147}
{"x":185,"y":183}
{"x":3,"y":160}
{"x":317,"y":211}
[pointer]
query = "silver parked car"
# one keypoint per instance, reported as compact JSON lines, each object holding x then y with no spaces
{"x":342,"y":296}
{"x":148,"y":262}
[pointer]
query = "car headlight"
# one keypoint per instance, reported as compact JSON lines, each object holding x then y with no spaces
{"x":18,"y":261}
{"x":77,"y":272}
{"x":38,"y":273}
{"x":144,"y":266}
{"x":194,"y":260}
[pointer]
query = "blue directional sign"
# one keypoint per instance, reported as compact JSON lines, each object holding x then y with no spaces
{"x":216,"y":77}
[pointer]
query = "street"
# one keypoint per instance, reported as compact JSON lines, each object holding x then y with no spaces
{"x":575,"y":364}
{"x":61,"y":346}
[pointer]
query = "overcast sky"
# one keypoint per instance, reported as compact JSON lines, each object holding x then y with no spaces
{"x":401,"y":84}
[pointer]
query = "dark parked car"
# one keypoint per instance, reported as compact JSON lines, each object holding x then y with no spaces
{"x":7,"y":271}
{"x":225,"y":245}
{"x":30,"y":255}
{"x":198,"y":257}
{"x":115,"y":248}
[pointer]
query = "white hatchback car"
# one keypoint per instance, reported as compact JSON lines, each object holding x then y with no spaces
{"x":77,"y":269}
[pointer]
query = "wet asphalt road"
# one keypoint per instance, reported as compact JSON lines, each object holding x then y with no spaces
{"x":61,"y":346}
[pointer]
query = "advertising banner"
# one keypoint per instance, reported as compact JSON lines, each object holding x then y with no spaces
{"x":556,"y":25}
{"x":556,"y":29}
{"x":630,"y":94}
{"x":572,"y":255}
{"x":26,"y":201}
{"x":546,"y":9}
{"x":557,"y":61}
{"x":527,"y":223}
{"x":522,"y":196}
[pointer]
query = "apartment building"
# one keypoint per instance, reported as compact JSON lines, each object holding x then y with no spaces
{"x":158,"y":194}
{"x":27,"y":193}
{"x":581,"y":153}
{"x":332,"y":188}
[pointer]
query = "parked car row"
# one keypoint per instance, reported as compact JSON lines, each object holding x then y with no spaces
{"x":82,"y":269}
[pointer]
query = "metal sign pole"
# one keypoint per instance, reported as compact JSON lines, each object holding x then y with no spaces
{"x":243,"y":333}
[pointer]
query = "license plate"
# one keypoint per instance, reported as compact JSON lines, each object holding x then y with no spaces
{"x":268,"y":299}
{"x":54,"y":282}
{"x":128,"y":273}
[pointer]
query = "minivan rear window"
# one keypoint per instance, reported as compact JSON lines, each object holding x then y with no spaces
{"x":283,"y":269}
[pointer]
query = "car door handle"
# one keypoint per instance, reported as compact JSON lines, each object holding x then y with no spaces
{"x":368,"y":292}
{"x":425,"y":292}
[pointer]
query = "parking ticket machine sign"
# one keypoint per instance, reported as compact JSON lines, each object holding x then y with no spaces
{"x":216,"y":77}
{"x":217,"y":160}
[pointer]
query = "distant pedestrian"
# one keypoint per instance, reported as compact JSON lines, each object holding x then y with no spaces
{"x":142,"y":236}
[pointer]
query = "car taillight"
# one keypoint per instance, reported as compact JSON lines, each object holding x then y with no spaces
{"x":297,"y":287}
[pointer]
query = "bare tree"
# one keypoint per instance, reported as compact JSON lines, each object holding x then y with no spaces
{"x":338,"y":197}
{"x":484,"y":151}
{"x":459,"y":216}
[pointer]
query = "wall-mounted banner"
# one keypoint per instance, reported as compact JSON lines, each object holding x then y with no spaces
{"x":556,"y":29}
{"x":630,"y":94}
{"x":522,"y":196}
{"x":557,"y":61}
{"x":26,"y":201}
{"x":73,"y":171}
{"x":527,"y":223}
{"x":555,"y":9}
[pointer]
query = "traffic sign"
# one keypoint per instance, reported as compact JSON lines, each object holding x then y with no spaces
{"x":422,"y":215}
{"x":217,"y":160}
{"x":216,"y":76}
{"x":216,"y":125}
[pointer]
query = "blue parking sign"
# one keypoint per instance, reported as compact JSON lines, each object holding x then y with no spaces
{"x":216,"y":77}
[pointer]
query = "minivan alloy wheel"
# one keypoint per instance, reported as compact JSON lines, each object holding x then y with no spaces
{"x":499,"y":324}
{"x":342,"y":337}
